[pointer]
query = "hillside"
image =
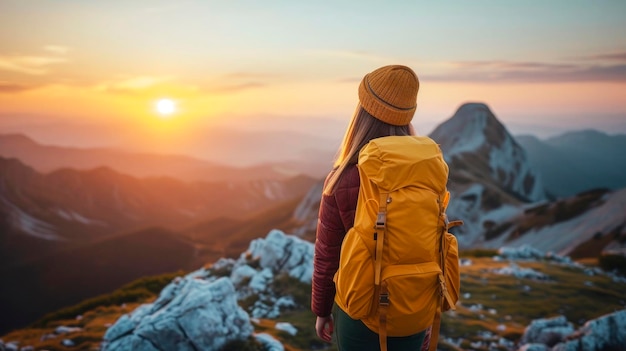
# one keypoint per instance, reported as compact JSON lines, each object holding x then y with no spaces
{"x":59,"y":279}
{"x":69,"y":276}
{"x":584,"y":225}
{"x":502,"y":294}
{"x":68,"y":207}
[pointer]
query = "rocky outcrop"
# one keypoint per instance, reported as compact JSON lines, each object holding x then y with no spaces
{"x":190,"y":314}
{"x":557,"y":334}
{"x":281,"y":253}
{"x":548,"y":331}
{"x":200,"y":311}
{"x":604,"y":333}
{"x":521,"y":273}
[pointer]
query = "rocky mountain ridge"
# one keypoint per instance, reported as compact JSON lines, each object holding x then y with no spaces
{"x":73,"y":205}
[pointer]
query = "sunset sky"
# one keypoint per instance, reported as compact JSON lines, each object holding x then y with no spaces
{"x":90,"y":73}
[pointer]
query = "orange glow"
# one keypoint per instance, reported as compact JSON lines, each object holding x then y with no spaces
{"x":135,"y":115}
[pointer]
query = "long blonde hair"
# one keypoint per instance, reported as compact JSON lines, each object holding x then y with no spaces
{"x":363,"y":128}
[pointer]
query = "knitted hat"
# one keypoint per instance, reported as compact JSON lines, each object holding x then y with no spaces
{"x":389,"y":93}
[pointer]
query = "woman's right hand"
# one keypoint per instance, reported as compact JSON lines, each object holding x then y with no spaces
{"x":324,"y":327}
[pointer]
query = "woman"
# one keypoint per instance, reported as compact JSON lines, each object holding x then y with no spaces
{"x":387,"y":102}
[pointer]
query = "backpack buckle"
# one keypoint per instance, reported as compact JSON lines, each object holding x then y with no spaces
{"x":381,"y":220}
{"x":383,"y":299}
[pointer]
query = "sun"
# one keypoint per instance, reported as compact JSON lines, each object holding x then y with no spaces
{"x":166,"y":107}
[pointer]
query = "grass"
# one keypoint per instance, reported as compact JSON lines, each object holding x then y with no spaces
{"x":93,"y":323}
{"x":508,"y":305}
{"x":613,"y":262}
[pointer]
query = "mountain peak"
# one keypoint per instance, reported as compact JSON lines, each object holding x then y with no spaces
{"x":477,"y":145}
{"x":471,"y":107}
{"x":472,"y":126}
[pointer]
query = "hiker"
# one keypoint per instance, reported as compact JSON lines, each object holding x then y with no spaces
{"x":387,"y":103}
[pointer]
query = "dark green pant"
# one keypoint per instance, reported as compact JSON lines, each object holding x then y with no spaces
{"x":354,"y":335}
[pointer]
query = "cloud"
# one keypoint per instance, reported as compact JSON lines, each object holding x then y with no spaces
{"x":132,"y":84}
{"x":618,"y":56}
{"x":533,"y":72}
{"x":239,"y":81}
{"x":14,"y":88}
{"x":56,"y":49}
{"x":32,"y":65}
{"x":233,"y":88}
{"x":249,"y":75}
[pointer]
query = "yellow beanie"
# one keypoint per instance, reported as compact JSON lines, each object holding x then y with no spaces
{"x":389,"y":93}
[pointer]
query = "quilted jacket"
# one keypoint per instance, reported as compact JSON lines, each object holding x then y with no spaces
{"x":336,"y":217}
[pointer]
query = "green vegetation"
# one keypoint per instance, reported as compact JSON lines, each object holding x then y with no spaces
{"x":479,"y":253}
{"x":306,"y":338}
{"x":613,"y":262}
{"x":504,"y":305}
{"x":284,"y":285}
{"x":249,"y":344}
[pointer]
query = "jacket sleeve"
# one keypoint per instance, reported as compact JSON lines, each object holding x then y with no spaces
{"x":329,"y":236}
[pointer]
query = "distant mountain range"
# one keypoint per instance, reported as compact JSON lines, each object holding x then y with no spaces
{"x":578,"y":161}
{"x":69,"y":204}
{"x":54,"y":226}
{"x":565,"y":165}
{"x":62,"y":209}
{"x":47,"y":158}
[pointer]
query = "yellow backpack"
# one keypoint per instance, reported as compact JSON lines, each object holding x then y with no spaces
{"x":399,"y":265}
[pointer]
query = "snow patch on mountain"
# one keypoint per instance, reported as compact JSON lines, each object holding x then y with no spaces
{"x":70,"y":215}
{"x":475,"y":137}
{"x":509,"y":164}
{"x":29,"y":224}
{"x":466,"y":131}
{"x":562,"y":237}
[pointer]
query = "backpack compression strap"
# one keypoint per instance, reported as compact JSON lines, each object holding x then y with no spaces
{"x":446,"y":225}
{"x":383,"y":297}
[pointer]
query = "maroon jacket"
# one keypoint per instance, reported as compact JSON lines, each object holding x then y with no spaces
{"x":336,"y":217}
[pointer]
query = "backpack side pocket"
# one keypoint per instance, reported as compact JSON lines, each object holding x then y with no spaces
{"x":452,"y":273}
{"x":354,"y":280}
